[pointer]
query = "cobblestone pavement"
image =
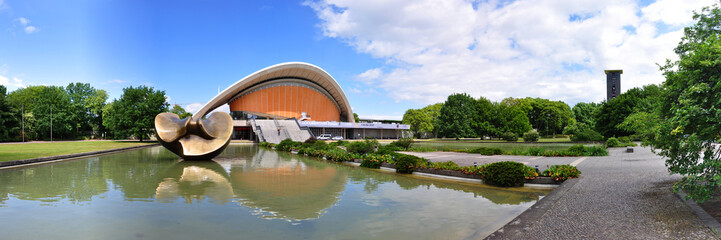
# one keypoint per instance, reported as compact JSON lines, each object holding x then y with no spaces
{"x":621,"y":196}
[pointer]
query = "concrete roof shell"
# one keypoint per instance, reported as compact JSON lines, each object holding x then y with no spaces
{"x":300,"y":70}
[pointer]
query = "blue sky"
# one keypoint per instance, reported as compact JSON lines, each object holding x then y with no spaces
{"x":387,"y":56}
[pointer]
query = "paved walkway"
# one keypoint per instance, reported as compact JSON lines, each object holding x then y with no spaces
{"x":622,"y":196}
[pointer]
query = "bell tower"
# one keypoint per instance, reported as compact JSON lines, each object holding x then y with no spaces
{"x":613,"y":83}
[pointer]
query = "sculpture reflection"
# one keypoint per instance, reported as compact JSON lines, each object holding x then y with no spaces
{"x":194,"y":138}
{"x":193,"y":181}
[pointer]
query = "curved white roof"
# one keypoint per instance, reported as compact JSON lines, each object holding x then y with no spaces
{"x":299,"y":70}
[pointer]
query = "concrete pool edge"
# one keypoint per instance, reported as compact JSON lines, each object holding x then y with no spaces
{"x":66,"y":157}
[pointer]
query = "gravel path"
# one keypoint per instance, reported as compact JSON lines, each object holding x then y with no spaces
{"x":622,"y":196}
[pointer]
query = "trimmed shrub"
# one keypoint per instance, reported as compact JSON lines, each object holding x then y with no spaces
{"x":587,"y":135}
{"x":576,"y":150}
{"x":562,"y":172}
{"x":535,"y":151}
{"x":504,"y":174}
{"x":486,"y":151}
{"x":531,"y":136}
{"x":509,"y":136}
{"x":613,"y":142}
{"x":310,"y":140}
{"x":596,"y":151}
{"x":407,"y":163}
{"x":363,"y":147}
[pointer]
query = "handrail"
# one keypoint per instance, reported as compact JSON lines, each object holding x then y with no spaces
{"x":257,"y":130}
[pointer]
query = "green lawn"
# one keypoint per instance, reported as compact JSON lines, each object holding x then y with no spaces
{"x":541,"y":140}
{"x":19,"y":151}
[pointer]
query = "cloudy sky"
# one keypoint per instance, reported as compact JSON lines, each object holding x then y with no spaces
{"x":387,"y":55}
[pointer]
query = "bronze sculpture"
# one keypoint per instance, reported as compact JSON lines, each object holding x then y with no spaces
{"x":194,"y":139}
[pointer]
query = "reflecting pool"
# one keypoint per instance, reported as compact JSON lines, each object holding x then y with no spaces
{"x":246,"y":193}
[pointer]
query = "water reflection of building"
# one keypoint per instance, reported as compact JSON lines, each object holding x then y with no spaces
{"x":275,"y":185}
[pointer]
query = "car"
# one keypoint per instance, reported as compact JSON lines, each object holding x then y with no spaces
{"x":324,"y":137}
{"x":337,"y":138}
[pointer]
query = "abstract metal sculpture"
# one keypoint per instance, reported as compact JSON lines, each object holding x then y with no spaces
{"x":191,"y":139}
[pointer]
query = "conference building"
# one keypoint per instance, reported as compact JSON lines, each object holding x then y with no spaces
{"x":298,"y":101}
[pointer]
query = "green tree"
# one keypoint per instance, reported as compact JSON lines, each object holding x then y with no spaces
{"x":612,"y":113}
{"x":509,"y":118}
{"x":134,"y":113}
{"x":549,"y":117}
{"x":86,"y":104}
{"x":454,"y":120}
{"x":433,"y":111}
{"x":585,"y":112}
{"x":690,"y":115}
{"x":180,"y":111}
{"x":355,"y":117}
{"x":9,"y":118}
{"x":483,"y":118}
{"x":418,"y":120}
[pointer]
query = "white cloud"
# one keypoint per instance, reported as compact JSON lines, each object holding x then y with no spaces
{"x":25,"y":24}
{"x":554,"y":49}
{"x":31,"y":29}
{"x":13,"y":84}
{"x":380,"y":117}
{"x":195,"y":107}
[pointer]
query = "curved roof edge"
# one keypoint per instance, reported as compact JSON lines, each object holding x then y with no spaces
{"x":289,"y":69}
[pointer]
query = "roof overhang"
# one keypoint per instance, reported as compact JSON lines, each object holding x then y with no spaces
{"x":299,"y":70}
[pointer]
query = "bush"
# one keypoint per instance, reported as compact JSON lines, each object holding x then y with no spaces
{"x":576,"y":150}
{"x":531,"y":136}
{"x":587,"y":135}
{"x":287,"y":145}
{"x":404,"y":143}
{"x":266,"y":145}
{"x":407,"y":163}
{"x":535,"y":151}
{"x":486,"y":151}
{"x":372,"y":161}
{"x":338,"y":143}
{"x":529,"y":172}
{"x":310,"y":140}
{"x":562,"y":172}
{"x":596,"y":151}
{"x":388,"y":149}
{"x":363,"y":147}
{"x":320,"y":145}
{"x":504,"y":174}
{"x":509,"y":136}
{"x":613,"y":142}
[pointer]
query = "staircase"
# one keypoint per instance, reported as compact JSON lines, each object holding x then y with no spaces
{"x":267,"y":130}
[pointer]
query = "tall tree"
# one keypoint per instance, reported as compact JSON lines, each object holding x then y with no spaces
{"x":483,"y":118}
{"x":690,"y":112}
{"x":134,"y":113}
{"x":612,"y":113}
{"x":585,"y":112}
{"x":508,"y":118}
{"x":180,"y":111}
{"x":9,"y":117}
{"x":454,"y":120}
{"x":418,"y":120}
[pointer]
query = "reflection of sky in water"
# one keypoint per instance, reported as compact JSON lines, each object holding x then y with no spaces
{"x":251,"y":193}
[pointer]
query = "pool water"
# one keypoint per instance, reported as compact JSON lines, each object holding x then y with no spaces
{"x":246,"y":193}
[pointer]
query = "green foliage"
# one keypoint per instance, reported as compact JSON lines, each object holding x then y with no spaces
{"x":403,"y":143}
{"x":388,"y":149}
{"x":422,"y":120}
{"x":504,"y":174}
{"x":509,"y":136}
{"x":531,"y":136}
{"x":134,"y":113}
{"x":612,"y":142}
{"x":180,"y":111}
{"x":484,"y":119}
{"x":642,"y":124}
{"x":585,"y":112}
{"x":407,"y":163}
{"x":529,"y":172}
{"x":508,"y":118}
{"x":486,"y":151}
{"x":614,"y":112}
{"x":582,"y":132}
{"x":690,"y":115}
{"x":562,"y":172}
{"x":288,"y":145}
{"x":549,"y":117}
{"x":338,"y":143}
{"x":266,"y":145}
{"x":320,"y":144}
{"x":453,"y":121}
{"x":371,"y":161}
{"x":9,"y":118}
{"x":363,"y":147}
{"x":355,"y":117}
